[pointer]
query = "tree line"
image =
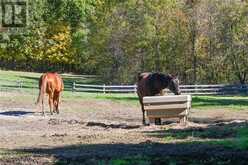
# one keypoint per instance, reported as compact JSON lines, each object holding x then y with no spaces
{"x":202,"y":41}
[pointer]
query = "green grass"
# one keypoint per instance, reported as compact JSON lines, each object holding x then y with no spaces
{"x":127,"y":161}
{"x":4,"y":154}
{"x":128,"y":99}
{"x":229,"y":136}
{"x":168,"y":138}
{"x":198,"y":102}
{"x":240,"y":141}
{"x":8,"y":79}
{"x":227,"y":102}
{"x":196,"y":133}
{"x":149,"y":160}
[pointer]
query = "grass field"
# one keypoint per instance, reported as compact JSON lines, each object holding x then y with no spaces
{"x":30,"y":79}
{"x":10,"y":78}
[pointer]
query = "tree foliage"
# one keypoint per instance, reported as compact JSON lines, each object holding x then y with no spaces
{"x":203,"y":41}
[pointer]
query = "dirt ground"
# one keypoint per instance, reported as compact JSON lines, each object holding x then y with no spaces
{"x":90,"y":130}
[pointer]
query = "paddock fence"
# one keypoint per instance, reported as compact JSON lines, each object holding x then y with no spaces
{"x":217,"y":89}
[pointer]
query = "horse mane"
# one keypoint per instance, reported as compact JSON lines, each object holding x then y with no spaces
{"x":139,"y":76}
{"x":42,"y":86}
{"x":164,"y":79}
{"x":142,"y":75}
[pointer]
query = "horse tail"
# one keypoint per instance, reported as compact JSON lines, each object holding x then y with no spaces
{"x":42,"y":86}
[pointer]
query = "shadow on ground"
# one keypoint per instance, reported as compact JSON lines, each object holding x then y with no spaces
{"x":143,"y":153}
{"x":121,"y":126}
{"x":149,"y":152}
{"x":15,"y":113}
{"x":219,"y":130}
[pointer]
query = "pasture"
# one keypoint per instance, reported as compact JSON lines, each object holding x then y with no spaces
{"x":97,"y":128}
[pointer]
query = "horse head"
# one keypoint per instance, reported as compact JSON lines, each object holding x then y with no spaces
{"x":173,"y":84}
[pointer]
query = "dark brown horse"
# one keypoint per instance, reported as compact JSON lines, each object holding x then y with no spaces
{"x":52,"y":84}
{"x":151,"y":84}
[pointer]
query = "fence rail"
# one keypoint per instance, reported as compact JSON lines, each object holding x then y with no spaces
{"x":216,"y":89}
{"x":104,"y":88}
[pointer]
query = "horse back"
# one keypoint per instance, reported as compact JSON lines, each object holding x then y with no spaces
{"x":142,"y":88}
{"x":54,"y":81}
{"x":150,"y":84}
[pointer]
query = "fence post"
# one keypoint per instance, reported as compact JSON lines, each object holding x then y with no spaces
{"x":135,"y":89}
{"x":74,"y":86}
{"x":19,"y":84}
{"x":195,"y":91}
{"x":104,"y":88}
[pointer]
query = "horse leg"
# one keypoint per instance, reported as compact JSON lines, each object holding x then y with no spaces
{"x":54,"y":103}
{"x":143,"y":111}
{"x":56,"y":100}
{"x":142,"y":107}
{"x":51,"y":102}
{"x":162,"y":92}
{"x":42,"y":107}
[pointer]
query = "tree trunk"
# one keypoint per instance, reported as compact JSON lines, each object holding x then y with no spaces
{"x":194,"y":54}
{"x":157,"y":56}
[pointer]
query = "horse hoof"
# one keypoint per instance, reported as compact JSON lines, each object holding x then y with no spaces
{"x":146,"y":124}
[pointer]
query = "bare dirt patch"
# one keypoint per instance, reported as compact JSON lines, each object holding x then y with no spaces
{"x":92,"y":130}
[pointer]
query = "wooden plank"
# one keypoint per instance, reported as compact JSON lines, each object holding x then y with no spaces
{"x":196,"y":93}
{"x":87,"y":90}
{"x":166,"y":114}
{"x":198,"y":86}
{"x":119,"y":90}
{"x":214,"y":89}
{"x":86,"y":85}
{"x":181,"y":86}
{"x":199,"y":89}
{"x":120,"y":86}
{"x":100,"y":90}
{"x":166,"y":107}
{"x":167,"y":103}
{"x":205,"y":93}
{"x":166,"y":99}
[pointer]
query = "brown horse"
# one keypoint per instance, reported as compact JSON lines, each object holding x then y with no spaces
{"x":151,"y":84}
{"x":52,"y":84}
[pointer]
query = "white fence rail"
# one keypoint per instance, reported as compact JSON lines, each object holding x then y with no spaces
{"x":219,"y":89}
{"x":104,"y":88}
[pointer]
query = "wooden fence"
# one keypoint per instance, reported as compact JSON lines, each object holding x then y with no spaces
{"x":104,"y":88}
{"x":219,"y":89}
